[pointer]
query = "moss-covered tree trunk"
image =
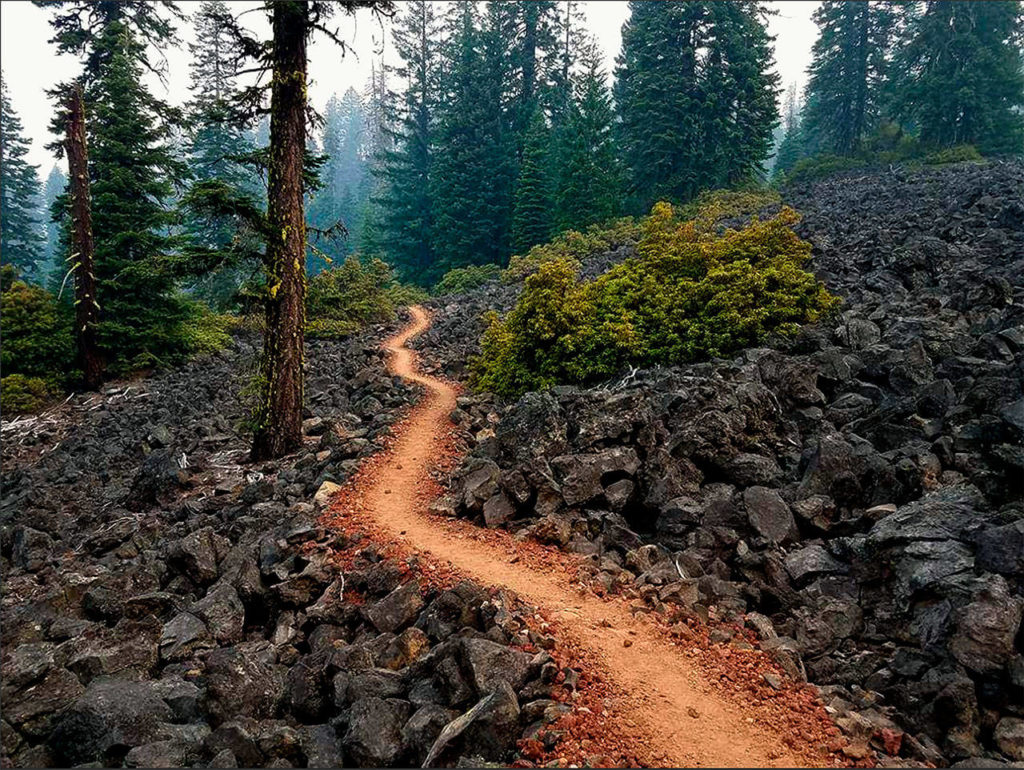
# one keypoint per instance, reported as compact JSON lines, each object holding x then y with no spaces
{"x":83,"y":248}
{"x":280,"y":418}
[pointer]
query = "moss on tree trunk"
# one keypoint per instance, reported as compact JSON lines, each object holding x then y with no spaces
{"x":280,"y":420}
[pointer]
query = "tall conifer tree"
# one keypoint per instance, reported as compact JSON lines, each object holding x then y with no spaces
{"x":407,"y":170}
{"x":695,"y":97}
{"x":847,"y":74}
{"x":960,"y":74}
{"x":133,"y":170}
{"x":21,"y":235}
{"x":475,"y":155}
{"x":589,"y":179}
{"x":531,"y":215}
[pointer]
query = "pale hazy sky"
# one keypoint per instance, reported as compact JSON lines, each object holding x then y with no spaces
{"x":31,"y":66}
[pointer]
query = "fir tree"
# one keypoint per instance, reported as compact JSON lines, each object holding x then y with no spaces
{"x":791,"y":147}
{"x":475,"y":159}
{"x":960,"y":75}
{"x":215,"y":143}
{"x":21,"y":239}
{"x":53,"y":189}
{"x":78,"y":24}
{"x":378,"y":143}
{"x":589,"y":176}
{"x":847,"y":74}
{"x":570,"y":41}
{"x":531,"y":215}
{"x":406,"y":171}
{"x":342,"y":199}
{"x":740,"y":92}
{"x":695,"y":97}
{"x":132,"y":172}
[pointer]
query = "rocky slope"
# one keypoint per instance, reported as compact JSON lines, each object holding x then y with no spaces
{"x":167,"y":604}
{"x":854,"y":494}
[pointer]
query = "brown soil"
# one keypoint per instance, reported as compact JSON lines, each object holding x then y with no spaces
{"x":647,"y":695}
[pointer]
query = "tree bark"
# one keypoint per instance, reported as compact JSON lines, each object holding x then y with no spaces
{"x":83,"y":247}
{"x":280,"y":413}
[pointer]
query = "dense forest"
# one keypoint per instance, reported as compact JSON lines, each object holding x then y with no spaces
{"x":497,"y":131}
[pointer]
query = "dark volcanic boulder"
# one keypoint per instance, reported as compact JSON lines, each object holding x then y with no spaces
{"x":374,"y":735}
{"x":111,"y":716}
{"x":244,"y":680}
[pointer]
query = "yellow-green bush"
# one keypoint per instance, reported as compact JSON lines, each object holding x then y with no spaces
{"x":20,"y":394}
{"x":687,"y":295}
{"x":37,"y":331}
{"x":206,"y":331}
{"x":462,"y":279}
{"x":573,"y":246}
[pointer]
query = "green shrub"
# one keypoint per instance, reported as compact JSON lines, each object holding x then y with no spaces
{"x":342,"y":300}
{"x":573,"y":246}
{"x":821,"y":166}
{"x":957,"y":154}
{"x":206,"y":331}
{"x":688,"y":295}
{"x":404,"y":294}
{"x":20,"y":394}
{"x":463,"y":279}
{"x":37,"y":332}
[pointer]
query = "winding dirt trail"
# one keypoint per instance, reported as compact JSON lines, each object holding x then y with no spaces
{"x":662,"y":696}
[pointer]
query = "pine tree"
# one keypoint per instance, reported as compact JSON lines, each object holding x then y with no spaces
{"x":132,"y":170}
{"x":380,"y":118}
{"x":527,"y":32}
{"x":78,"y":24}
{"x":56,"y":184}
{"x":847,"y":74}
{"x":589,"y":176}
{"x":740,"y":92}
{"x":960,"y":75}
{"x":531,"y":215}
{"x":344,"y":195}
{"x":570,"y":41}
{"x":406,"y":171}
{"x":695,"y":97}
{"x":214,"y":143}
{"x":21,"y":240}
{"x":791,"y":147}
{"x":475,"y":158}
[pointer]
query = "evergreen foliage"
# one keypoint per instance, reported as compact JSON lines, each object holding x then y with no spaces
{"x":475,"y":158}
{"x":695,"y":97}
{"x":463,"y":279}
{"x":847,"y":75}
{"x":791,"y":148}
{"x":37,"y":331}
{"x":588,"y":173}
{"x":216,"y":145}
{"x":21,"y":236}
{"x":532,"y":207}
{"x":52,"y":214}
{"x":344,"y":181}
{"x":132,"y":169}
{"x":961,"y":77}
{"x":407,"y":170}
{"x":344,"y":299}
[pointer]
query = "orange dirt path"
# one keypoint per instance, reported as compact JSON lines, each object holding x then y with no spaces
{"x":661,"y":696}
